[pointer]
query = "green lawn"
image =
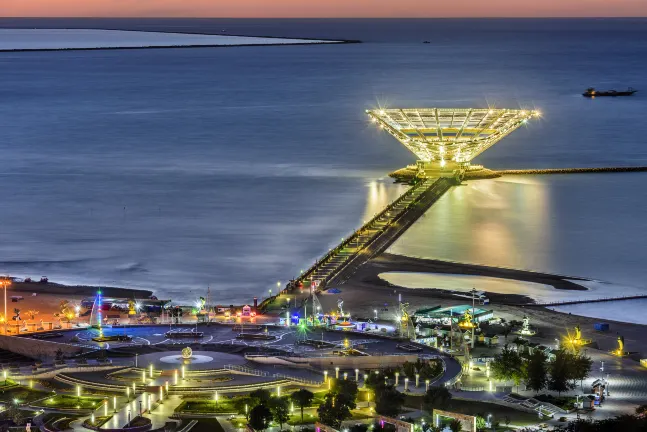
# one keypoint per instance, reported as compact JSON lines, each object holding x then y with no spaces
{"x":21,"y":394}
{"x":206,"y":406}
{"x":473,"y":407}
{"x":70,"y":402}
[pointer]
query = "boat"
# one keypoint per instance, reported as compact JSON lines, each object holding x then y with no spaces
{"x":592,"y":92}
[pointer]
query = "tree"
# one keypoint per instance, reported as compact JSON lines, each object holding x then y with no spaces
{"x":580,"y":367}
{"x":302,"y":398}
{"x":506,"y":331}
{"x":332,"y":413}
{"x":481,"y":424}
{"x":345,"y":392}
{"x":261,"y":396}
{"x":560,"y":369}
{"x":260,"y":417}
{"x":388,"y":401}
{"x":437,"y":398}
{"x":507,"y":366}
{"x":455,"y":425}
{"x":537,"y":371}
{"x":242,"y":405}
{"x":409,"y":369}
{"x":280,"y":410}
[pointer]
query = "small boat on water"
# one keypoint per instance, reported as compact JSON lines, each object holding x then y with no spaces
{"x":592,"y":92}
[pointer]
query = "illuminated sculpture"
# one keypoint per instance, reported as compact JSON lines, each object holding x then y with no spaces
{"x":445,"y":140}
{"x":466,"y":320}
{"x":187,"y":353}
{"x":620,"y":351}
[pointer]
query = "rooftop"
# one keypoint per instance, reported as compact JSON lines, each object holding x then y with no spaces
{"x":449,"y":134}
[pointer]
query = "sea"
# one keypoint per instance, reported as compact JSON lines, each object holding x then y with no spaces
{"x":233,"y":169}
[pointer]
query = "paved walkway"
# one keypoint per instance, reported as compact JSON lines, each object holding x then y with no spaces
{"x":159,"y":415}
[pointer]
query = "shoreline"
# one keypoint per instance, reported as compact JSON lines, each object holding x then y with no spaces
{"x":388,"y":262}
{"x":54,"y":288}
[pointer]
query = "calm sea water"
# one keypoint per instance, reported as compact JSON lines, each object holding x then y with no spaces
{"x":235,"y":168}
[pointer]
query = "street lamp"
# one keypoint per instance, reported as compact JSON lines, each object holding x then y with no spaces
{"x":375,"y":312}
{"x":5,"y":283}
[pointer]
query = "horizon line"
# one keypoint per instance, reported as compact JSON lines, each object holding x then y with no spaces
{"x":331,"y":17}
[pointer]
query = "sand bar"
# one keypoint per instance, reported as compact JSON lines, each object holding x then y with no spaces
{"x":82,"y":39}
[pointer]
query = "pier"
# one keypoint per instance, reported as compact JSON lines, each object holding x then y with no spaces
{"x":585,"y":301}
{"x":374,"y":236}
{"x":572,"y":170}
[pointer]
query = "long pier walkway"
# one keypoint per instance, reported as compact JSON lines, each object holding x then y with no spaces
{"x":573,"y":170}
{"x":374,"y":236}
{"x":584,"y":301}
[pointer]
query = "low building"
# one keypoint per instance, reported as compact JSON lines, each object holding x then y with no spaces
{"x":443,"y":315}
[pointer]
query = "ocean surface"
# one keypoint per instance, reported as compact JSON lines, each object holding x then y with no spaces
{"x":234,"y":168}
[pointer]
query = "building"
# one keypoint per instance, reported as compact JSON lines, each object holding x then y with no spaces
{"x":445,"y":140}
{"x":443,"y":315}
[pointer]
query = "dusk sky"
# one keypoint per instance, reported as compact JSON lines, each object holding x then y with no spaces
{"x":323,"y":8}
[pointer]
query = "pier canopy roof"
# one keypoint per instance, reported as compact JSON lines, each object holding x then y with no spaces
{"x":449,"y":134}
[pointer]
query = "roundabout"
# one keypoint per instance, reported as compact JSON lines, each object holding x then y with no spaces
{"x":191,"y":360}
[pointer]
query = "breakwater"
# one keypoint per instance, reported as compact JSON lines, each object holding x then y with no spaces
{"x":584,"y":301}
{"x":374,"y":236}
{"x":573,"y":170}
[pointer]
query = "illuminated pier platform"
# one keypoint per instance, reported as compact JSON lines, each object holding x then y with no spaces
{"x":445,"y":140}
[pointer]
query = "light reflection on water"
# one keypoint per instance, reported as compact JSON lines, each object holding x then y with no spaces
{"x":582,"y":225}
{"x":492,"y":222}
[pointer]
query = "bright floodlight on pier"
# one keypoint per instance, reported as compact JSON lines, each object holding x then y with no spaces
{"x":449,"y":138}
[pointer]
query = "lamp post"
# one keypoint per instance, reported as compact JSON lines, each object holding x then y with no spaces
{"x":216,"y":398}
{"x":356,"y":375}
{"x":426,"y":385}
{"x":397,"y":378}
{"x":128,"y":393}
{"x":406,"y":384}
{"x":337,"y":372}
{"x":417,"y":380}
{"x":375,"y":312}
{"x":5,"y":283}
{"x":114,"y":403}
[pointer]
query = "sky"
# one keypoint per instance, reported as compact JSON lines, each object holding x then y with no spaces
{"x":323,"y":8}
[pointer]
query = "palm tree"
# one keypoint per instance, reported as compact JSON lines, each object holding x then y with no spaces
{"x":302,"y":398}
{"x":455,"y":425}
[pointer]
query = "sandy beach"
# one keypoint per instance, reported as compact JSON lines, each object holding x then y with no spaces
{"x":365,"y":292}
